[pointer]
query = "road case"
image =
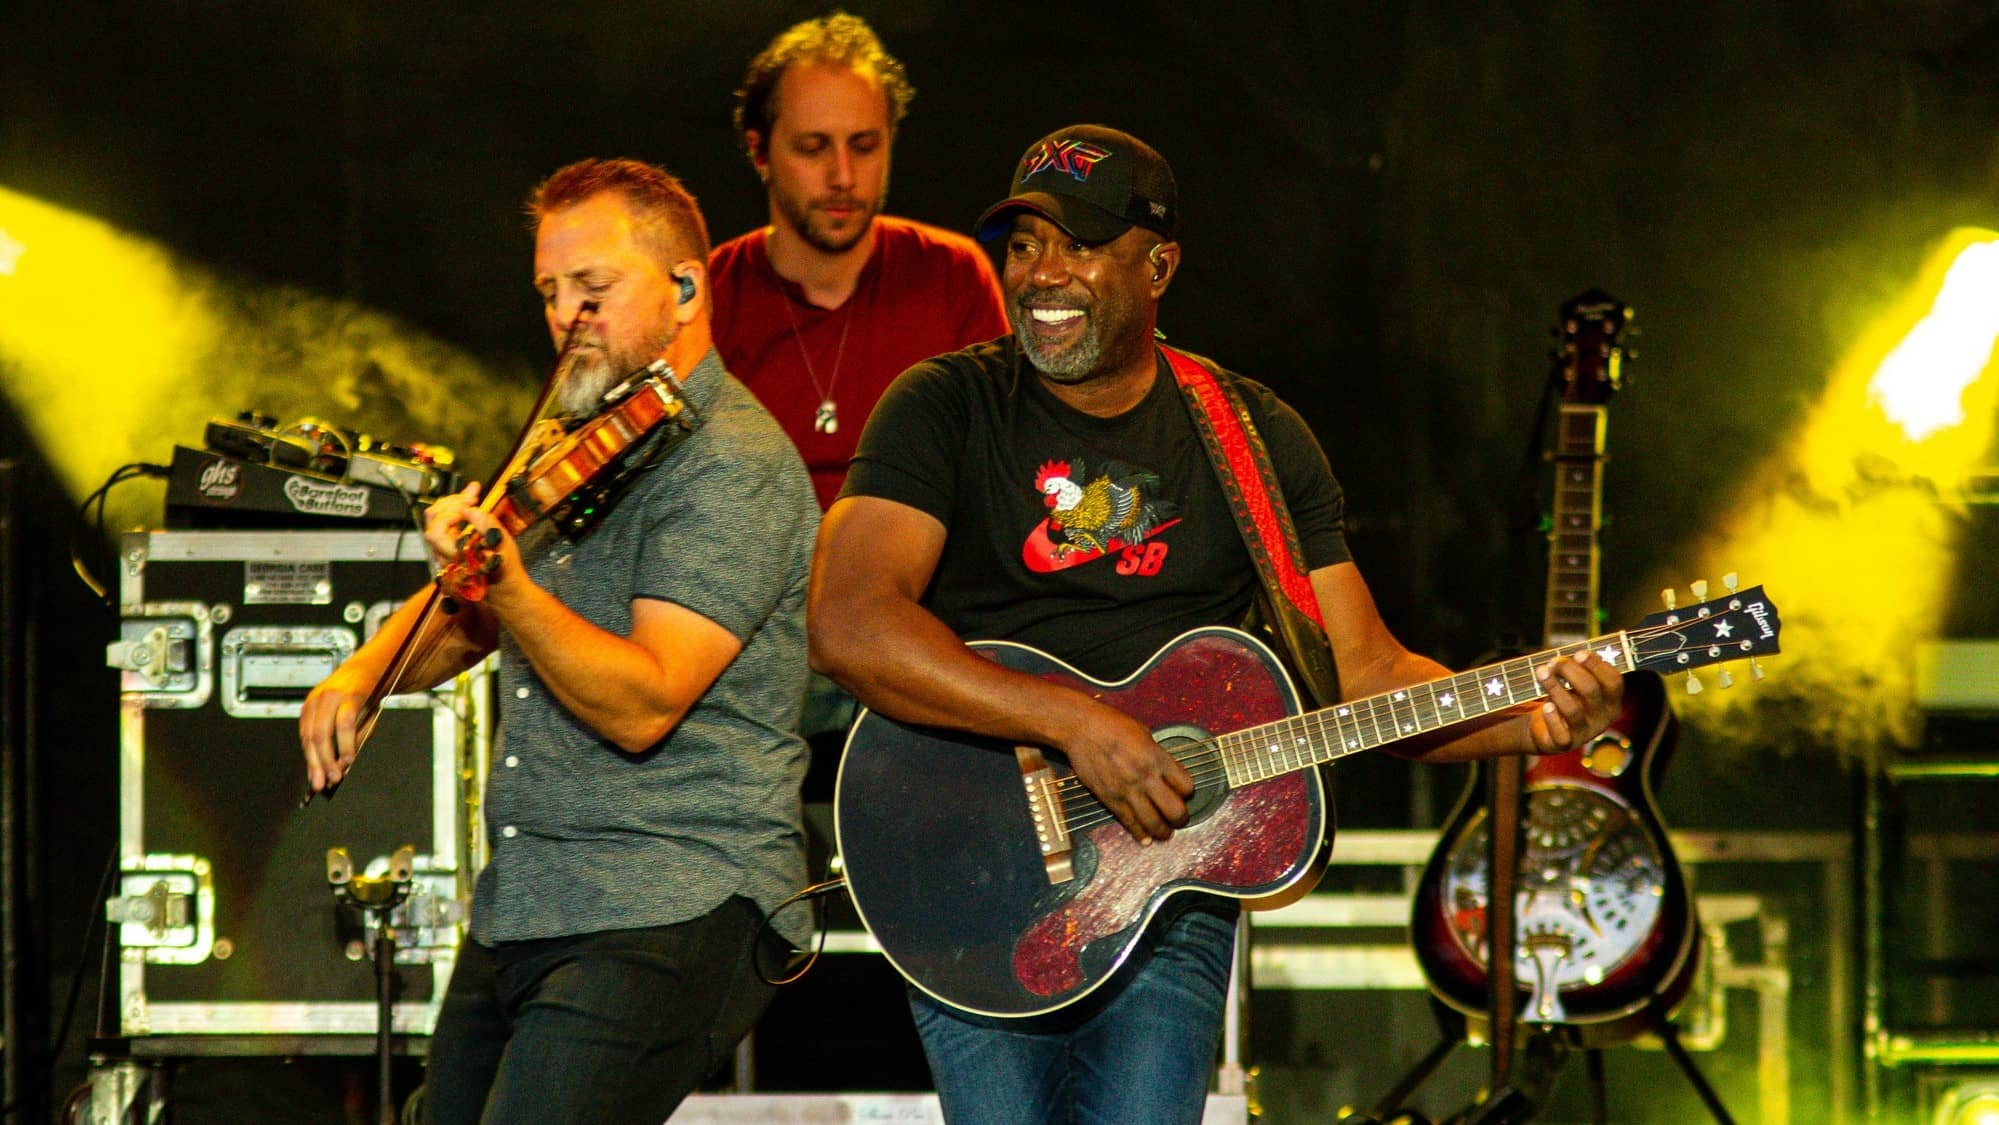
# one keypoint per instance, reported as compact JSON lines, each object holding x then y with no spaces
{"x":226,"y":914}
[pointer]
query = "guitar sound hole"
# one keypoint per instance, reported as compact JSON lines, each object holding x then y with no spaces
{"x":1210,"y":787}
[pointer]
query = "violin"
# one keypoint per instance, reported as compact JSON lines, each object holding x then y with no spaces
{"x":570,"y":482}
{"x":562,"y":480}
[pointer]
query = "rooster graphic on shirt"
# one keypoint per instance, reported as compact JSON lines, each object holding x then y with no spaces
{"x":1089,"y":517}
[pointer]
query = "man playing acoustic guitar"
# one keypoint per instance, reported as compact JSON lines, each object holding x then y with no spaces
{"x":642,"y":806}
{"x":1051,"y":488}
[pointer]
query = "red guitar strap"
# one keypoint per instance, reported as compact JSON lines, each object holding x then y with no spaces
{"x":1242,"y":464}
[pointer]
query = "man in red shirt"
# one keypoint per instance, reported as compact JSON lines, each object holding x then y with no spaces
{"x":820,"y":310}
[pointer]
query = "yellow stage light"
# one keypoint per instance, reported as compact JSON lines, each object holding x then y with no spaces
{"x":1975,"y":1103}
{"x":1852,"y":524}
{"x":114,"y":350}
{"x":10,"y":254}
{"x":1920,"y":385}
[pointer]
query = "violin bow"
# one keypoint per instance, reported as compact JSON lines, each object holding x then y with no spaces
{"x":422,"y":638}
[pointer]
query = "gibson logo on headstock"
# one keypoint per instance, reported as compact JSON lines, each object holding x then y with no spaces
{"x":1761,"y":612}
{"x":221,"y":480}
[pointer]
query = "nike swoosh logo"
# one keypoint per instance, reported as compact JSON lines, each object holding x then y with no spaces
{"x":1043,"y":554}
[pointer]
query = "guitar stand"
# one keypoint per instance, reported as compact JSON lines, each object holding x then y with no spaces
{"x":1543,"y":1055}
{"x":1669,"y":1036}
{"x":377,"y":897}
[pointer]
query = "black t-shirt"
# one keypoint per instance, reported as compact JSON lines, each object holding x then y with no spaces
{"x":1096,"y":540}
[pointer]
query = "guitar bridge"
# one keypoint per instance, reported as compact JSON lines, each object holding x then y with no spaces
{"x":1044,"y":807}
{"x":1547,"y":947}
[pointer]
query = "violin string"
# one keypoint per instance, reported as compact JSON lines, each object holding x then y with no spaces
{"x":427,"y":642}
{"x":422,"y":643}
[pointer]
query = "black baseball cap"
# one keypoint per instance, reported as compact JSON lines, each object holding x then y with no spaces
{"x":1093,"y":182}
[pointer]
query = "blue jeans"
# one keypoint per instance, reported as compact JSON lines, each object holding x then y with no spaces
{"x":601,"y":1028}
{"x":1145,"y":1055}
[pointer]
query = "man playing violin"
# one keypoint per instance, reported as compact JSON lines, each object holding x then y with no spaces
{"x":642,"y":807}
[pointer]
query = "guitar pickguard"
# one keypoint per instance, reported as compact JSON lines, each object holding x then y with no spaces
{"x":946,"y":871}
{"x":1252,"y":840}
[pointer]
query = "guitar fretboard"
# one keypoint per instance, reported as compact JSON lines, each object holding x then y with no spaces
{"x":1316,"y":737}
{"x":1577,"y":516}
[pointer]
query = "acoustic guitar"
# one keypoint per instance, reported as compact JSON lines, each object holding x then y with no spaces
{"x":998,"y":884}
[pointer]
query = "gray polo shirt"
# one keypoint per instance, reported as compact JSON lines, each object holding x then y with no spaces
{"x":587,"y":837}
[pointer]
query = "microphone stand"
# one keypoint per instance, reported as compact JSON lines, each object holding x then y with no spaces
{"x":378,"y":897}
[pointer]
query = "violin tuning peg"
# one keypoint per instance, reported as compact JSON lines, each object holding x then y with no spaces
{"x":1693,"y":684}
{"x":1671,"y":599}
{"x":1723,"y":678}
{"x":1699,"y":588}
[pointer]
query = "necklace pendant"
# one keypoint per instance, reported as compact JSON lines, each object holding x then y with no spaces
{"x":826,"y":419}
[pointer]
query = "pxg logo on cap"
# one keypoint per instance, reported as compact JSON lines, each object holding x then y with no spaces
{"x":1061,"y":155}
{"x":1092,"y":181}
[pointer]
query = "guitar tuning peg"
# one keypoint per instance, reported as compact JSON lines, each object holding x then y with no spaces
{"x":1726,"y":680}
{"x":1729,"y":580}
{"x":1671,"y":599}
{"x":1699,"y":587}
{"x":1693,"y":684}
{"x":1755,"y":668}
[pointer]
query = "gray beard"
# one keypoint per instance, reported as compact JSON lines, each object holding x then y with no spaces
{"x":1084,"y":359}
{"x":1070,"y":367}
{"x":597,"y":371}
{"x":583,"y":391}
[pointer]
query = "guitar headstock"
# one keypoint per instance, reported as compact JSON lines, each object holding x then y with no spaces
{"x":1589,"y":359}
{"x":1742,"y":625}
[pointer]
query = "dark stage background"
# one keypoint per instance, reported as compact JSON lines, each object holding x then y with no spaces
{"x":1384,"y":204}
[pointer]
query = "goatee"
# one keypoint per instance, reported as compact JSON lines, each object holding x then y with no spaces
{"x":1068,"y":366}
{"x":802,"y":218}
{"x":583,"y":391}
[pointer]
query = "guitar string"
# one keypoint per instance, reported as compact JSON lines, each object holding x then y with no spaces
{"x":1364,"y":712}
{"x":1210,"y":760}
{"x":1083,"y":810}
